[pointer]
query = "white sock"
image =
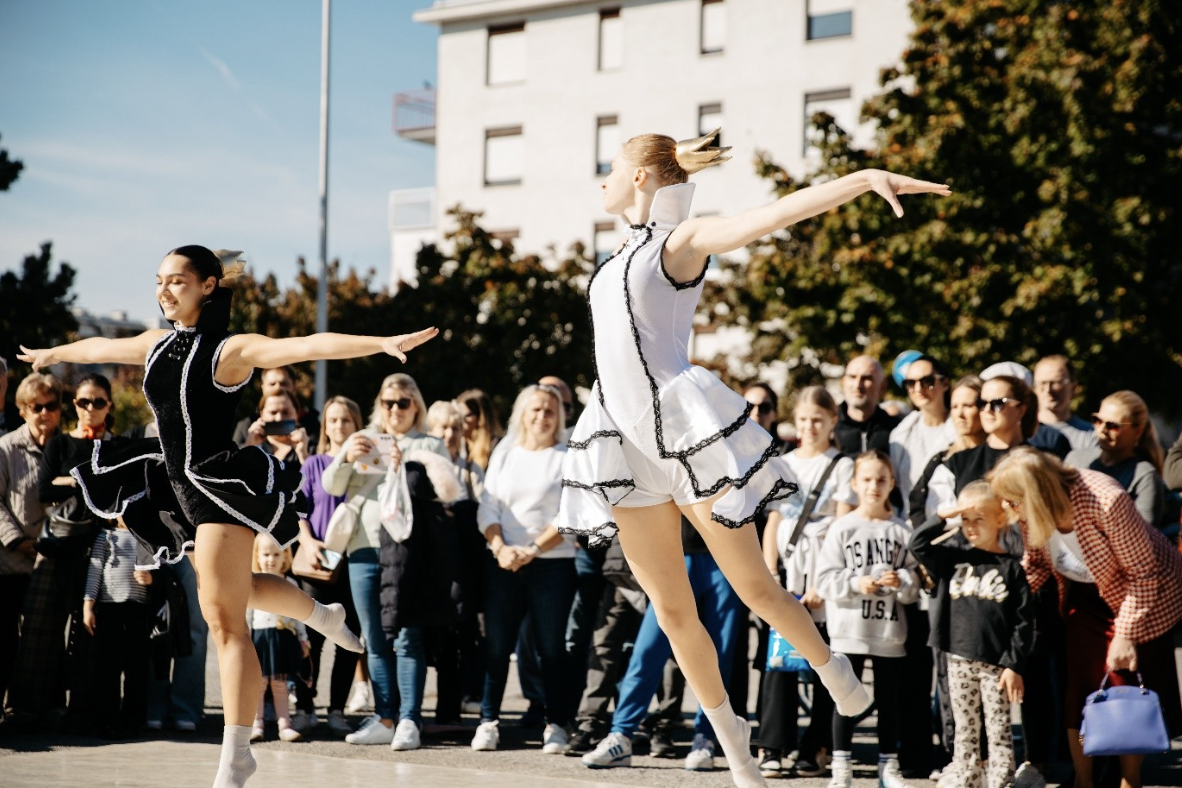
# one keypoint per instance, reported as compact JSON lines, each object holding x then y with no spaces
{"x":329,"y":620}
{"x":849,"y":696}
{"x":237,"y":763}
{"x":734,"y":736}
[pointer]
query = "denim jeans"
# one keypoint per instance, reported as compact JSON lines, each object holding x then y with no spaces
{"x":412,"y":673}
{"x":184,"y":700}
{"x":719,"y":607}
{"x":365,"y":580}
{"x":545,"y":588}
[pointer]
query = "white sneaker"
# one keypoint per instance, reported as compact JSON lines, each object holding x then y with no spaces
{"x":555,"y":740}
{"x":889,"y":775}
{"x":842,"y":773}
{"x":1028,"y":776}
{"x":406,"y":736}
{"x":487,"y":737}
{"x":358,"y":698}
{"x":289,"y":734}
{"x":701,"y":755}
{"x":372,"y":731}
{"x":338,"y":724}
{"x":470,"y":707}
{"x":615,"y":749}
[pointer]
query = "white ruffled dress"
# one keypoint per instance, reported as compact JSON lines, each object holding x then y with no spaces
{"x":649,"y":394}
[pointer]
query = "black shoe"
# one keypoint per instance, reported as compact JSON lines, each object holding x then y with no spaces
{"x":534,"y":719}
{"x":771,"y":764}
{"x":661,"y":744}
{"x":641,"y":742}
{"x":581,"y":743}
{"x":815,"y":766}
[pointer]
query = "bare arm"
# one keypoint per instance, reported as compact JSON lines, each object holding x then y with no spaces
{"x":96,"y":350}
{"x":245,"y":352}
{"x":696,"y":239}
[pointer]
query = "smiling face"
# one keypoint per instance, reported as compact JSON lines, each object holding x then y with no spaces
{"x":966,"y":416}
{"x":539,"y":420}
{"x":618,"y":188}
{"x":399,"y":411}
{"x":450,"y":430}
{"x":814,"y":425}
{"x":924,"y":386}
{"x":179,"y":291}
{"x":87,"y":400}
{"x":983,"y":522}
{"x":861,"y":385}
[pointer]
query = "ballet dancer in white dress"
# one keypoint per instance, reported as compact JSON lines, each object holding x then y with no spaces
{"x":194,"y":488}
{"x":661,"y":438}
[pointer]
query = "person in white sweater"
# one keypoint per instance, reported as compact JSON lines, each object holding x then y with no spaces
{"x":864,"y":574}
{"x":533,"y":566}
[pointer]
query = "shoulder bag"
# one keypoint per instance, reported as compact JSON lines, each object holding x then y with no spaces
{"x":1123,"y":721}
{"x":346,"y":517}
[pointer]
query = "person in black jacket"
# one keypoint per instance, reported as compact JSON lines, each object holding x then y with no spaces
{"x":984,"y":619}
{"x":863,"y":424}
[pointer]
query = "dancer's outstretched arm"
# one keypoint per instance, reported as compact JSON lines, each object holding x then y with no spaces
{"x":696,"y":239}
{"x":244,"y":352}
{"x":96,"y":350}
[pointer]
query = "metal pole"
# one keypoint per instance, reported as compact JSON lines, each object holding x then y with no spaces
{"x":322,"y":288}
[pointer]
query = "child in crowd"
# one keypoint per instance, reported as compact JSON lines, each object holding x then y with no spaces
{"x":983,"y":617}
{"x":115,"y":612}
{"x":795,"y":531}
{"x":281,"y":642}
{"x":864,"y":574}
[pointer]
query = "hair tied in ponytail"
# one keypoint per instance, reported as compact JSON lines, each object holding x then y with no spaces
{"x":232,"y":264}
{"x":695,"y":155}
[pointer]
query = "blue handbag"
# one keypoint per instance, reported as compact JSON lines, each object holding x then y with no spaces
{"x":1123,"y":721}
{"x":782,"y":656}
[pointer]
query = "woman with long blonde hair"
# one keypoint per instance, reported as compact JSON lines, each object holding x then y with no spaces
{"x":482,"y":427}
{"x":661,"y":438}
{"x":1119,"y":579}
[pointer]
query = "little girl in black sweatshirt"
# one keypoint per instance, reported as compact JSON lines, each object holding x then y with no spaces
{"x":983,"y":617}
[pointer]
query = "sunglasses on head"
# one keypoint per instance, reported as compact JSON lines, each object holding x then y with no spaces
{"x":996,"y":405}
{"x":98,"y":403}
{"x":52,"y":406}
{"x":1109,"y":426}
{"x":927,"y":382}
{"x":402,"y":403}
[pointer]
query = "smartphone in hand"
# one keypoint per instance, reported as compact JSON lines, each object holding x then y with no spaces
{"x":285,"y":427}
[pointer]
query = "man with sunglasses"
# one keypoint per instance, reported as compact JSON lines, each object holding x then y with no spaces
{"x":39,"y":399}
{"x":1054,"y":383}
{"x":862,"y":424}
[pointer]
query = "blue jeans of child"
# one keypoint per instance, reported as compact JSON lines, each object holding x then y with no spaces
{"x":545,"y":588}
{"x":412,"y":673}
{"x":719,"y":607}
{"x":365,"y":581}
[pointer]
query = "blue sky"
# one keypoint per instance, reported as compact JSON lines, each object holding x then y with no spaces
{"x":147,"y":124}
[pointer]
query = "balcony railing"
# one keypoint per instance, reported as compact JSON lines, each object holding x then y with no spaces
{"x":414,"y":115}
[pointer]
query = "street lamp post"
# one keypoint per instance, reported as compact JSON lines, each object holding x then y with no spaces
{"x":322,"y":288}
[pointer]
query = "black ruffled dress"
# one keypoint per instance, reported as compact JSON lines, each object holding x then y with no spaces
{"x":194,"y":473}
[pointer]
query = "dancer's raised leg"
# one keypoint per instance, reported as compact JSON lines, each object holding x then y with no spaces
{"x":275,"y":595}
{"x":651,"y":538}
{"x":739,"y":557}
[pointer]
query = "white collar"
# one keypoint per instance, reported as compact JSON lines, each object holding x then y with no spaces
{"x":671,"y":206}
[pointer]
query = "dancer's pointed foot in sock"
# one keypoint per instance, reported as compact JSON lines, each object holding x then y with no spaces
{"x":237,"y":763}
{"x":734,"y":735}
{"x":329,"y":620}
{"x":849,"y":696}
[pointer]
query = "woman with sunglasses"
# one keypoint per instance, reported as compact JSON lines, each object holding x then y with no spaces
{"x":927,"y":430}
{"x":1119,"y":583}
{"x":193,"y":487}
{"x":398,"y":410}
{"x":39,"y":403}
{"x":1128,"y":451}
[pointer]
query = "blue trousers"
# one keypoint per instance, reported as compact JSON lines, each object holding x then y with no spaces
{"x":412,"y":673}
{"x":720,"y":610}
{"x":365,"y":581}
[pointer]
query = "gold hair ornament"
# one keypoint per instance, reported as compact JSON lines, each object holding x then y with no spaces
{"x":694,"y":155}
{"x":232,"y":263}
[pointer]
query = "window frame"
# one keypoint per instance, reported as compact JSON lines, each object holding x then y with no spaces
{"x":604,"y":15}
{"x":602,"y":166}
{"x":721,"y":49}
{"x":500,"y":30}
{"x":503,"y":131}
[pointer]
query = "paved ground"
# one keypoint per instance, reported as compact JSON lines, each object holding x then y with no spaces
{"x":324,"y":761}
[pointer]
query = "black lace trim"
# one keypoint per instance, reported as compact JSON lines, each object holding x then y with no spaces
{"x":697,"y":280}
{"x":600,"y":488}
{"x":599,"y":536}
{"x":581,"y":445}
{"x":772,"y":495}
{"x":738,"y":483}
{"x":591,"y":313}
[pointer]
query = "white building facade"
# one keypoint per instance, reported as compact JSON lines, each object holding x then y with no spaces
{"x":535,"y":97}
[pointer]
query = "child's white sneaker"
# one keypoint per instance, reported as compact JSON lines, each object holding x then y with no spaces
{"x":487,"y":737}
{"x":889,"y":774}
{"x":701,"y":755}
{"x":842,"y":770}
{"x":1028,"y":776}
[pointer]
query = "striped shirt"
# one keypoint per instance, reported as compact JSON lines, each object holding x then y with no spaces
{"x":112,"y":565}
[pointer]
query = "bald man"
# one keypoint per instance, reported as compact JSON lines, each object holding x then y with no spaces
{"x":862,"y":423}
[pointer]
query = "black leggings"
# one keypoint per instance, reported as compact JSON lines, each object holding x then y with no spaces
{"x":888,"y":673}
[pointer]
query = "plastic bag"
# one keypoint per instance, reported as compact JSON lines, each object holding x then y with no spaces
{"x":394,"y":509}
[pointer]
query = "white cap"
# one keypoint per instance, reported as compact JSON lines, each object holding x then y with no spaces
{"x":1010,"y":368}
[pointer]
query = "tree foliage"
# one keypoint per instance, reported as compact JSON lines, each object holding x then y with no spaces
{"x":10,"y":170}
{"x":35,"y":308}
{"x":1059,"y":126}
{"x":505,"y":319}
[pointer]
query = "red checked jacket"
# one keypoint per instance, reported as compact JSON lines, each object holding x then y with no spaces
{"x":1137,"y":571}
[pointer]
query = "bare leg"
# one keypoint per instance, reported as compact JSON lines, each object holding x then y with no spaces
{"x":1080,"y":762}
{"x":1130,"y":770}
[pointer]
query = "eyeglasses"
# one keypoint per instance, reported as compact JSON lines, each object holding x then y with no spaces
{"x":765,"y":407}
{"x":86,"y":404}
{"x":1109,"y":426}
{"x":1051,"y":385}
{"x":402,"y":403}
{"x":996,"y":405}
{"x":52,"y":406}
{"x":927,"y":382}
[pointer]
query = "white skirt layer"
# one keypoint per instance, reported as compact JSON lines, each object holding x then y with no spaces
{"x":699,"y":425}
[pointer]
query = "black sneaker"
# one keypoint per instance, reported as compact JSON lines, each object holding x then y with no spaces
{"x":581,"y":743}
{"x":815,"y":766}
{"x":770,"y":764}
{"x":661,"y":744}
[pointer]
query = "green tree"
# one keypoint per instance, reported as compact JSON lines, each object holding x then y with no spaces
{"x":35,"y":308}
{"x":1059,"y":126}
{"x":10,"y":170}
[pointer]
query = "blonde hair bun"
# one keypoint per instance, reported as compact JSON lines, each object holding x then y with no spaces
{"x":695,"y":155}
